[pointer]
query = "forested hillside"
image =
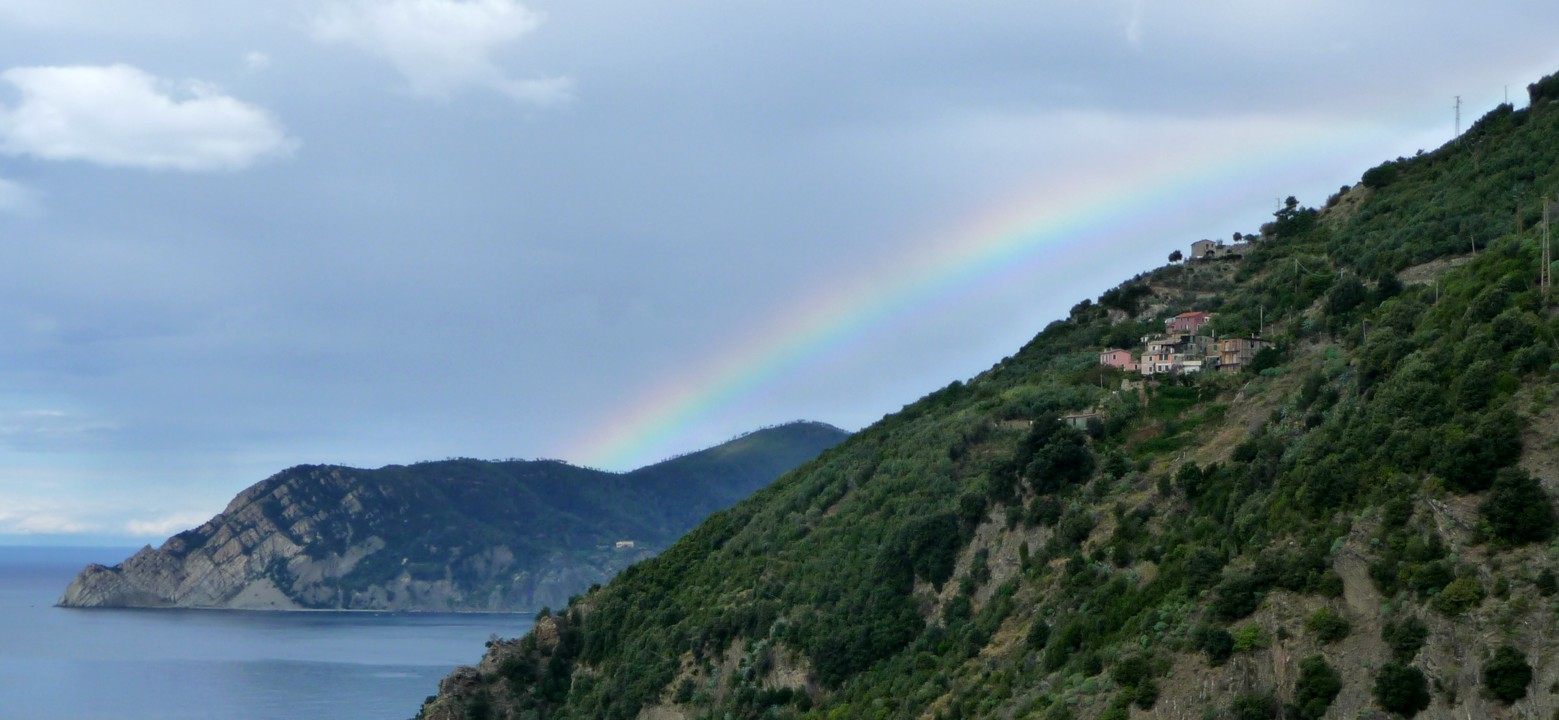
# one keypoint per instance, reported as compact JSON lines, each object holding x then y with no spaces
{"x":1358,"y":523}
{"x":439,"y":536}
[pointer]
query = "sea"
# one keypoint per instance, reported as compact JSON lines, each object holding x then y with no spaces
{"x":76,"y":664}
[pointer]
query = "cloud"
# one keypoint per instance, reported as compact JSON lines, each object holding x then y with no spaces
{"x":120,"y":116}
{"x":257,"y":61}
{"x":441,"y":46}
{"x":29,"y":519}
{"x":41,"y":430}
{"x":165,"y":526}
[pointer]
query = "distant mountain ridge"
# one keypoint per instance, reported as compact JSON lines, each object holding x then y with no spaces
{"x":452,"y":535}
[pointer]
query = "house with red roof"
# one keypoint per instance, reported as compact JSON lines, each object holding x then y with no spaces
{"x":1188,"y":323}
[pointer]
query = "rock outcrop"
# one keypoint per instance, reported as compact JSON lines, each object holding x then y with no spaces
{"x":457,"y":535}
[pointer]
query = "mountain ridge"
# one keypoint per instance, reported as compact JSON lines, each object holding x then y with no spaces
{"x":464,"y":534}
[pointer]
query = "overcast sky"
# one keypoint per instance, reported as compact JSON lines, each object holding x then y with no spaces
{"x":239,"y":236}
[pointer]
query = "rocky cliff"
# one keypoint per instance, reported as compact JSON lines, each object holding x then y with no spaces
{"x":457,"y":535}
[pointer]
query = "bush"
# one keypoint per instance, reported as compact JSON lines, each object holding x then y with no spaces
{"x":1254,"y":706}
{"x":1404,"y":637}
{"x":1318,"y":685}
{"x":1327,"y":626}
{"x":1381,"y":175}
{"x":1217,"y":643}
{"x":1507,"y":674}
{"x":1518,"y":509}
{"x":1237,"y":596}
{"x":1460,"y":596}
{"x":1249,"y":637}
{"x":1401,"y":689}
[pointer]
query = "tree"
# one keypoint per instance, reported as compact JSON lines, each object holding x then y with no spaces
{"x":1175,"y":256}
{"x":1327,"y":626}
{"x":1317,"y":687}
{"x":1518,"y":509}
{"x":1401,"y":689}
{"x":1507,"y":674}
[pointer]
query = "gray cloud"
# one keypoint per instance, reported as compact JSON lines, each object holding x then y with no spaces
{"x":474,"y":277}
{"x":121,"y":116}
{"x":441,"y":46}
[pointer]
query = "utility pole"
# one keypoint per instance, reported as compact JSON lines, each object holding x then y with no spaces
{"x":1548,"y":258}
{"x":1458,"y":116}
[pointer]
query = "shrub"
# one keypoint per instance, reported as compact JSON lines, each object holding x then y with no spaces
{"x":1381,"y":175}
{"x":1254,"y":706}
{"x":1507,"y":674}
{"x":1217,"y":643}
{"x":1404,"y":637}
{"x":1039,"y":634}
{"x":1318,"y":685}
{"x":1546,"y":583}
{"x":1460,"y":596}
{"x":1401,"y":689}
{"x":1237,"y":596}
{"x":1327,"y":626}
{"x":1518,"y":509}
{"x":1249,"y":637}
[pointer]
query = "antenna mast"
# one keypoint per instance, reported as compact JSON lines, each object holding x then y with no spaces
{"x":1458,"y":116}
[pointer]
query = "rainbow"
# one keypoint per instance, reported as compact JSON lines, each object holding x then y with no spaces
{"x":1025,"y":237}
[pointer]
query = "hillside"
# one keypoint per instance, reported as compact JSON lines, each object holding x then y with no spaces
{"x":1357,"y":523}
{"x":441,"y":536}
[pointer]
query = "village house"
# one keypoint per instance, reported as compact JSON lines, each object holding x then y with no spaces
{"x":1118,"y":358}
{"x":1079,"y":420}
{"x":1169,"y":354}
{"x":1236,"y":354}
{"x":1189,"y":323}
{"x":1215,"y":250}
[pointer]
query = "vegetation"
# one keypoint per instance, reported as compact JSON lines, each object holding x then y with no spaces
{"x":1317,"y":687}
{"x":1402,"y":689}
{"x":444,"y":521}
{"x":1507,"y":674}
{"x":973,"y":556}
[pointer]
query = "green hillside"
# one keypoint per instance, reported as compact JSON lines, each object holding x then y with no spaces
{"x":1357,"y":523}
{"x":440,"y":536}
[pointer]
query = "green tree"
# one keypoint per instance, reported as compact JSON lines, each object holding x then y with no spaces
{"x":1316,"y":688}
{"x":1327,"y":626}
{"x":1518,"y":509}
{"x":1507,"y":674}
{"x":1401,"y":689}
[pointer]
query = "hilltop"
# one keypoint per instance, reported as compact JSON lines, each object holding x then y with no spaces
{"x":442,"y":536}
{"x":1356,"y":522}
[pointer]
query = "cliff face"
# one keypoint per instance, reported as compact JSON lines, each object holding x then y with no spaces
{"x":459,"y":535}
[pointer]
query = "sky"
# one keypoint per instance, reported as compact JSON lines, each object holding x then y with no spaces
{"x":240,"y":236}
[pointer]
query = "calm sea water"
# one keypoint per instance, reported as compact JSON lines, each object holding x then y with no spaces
{"x":58,"y":664}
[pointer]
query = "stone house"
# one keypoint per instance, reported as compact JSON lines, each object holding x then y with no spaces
{"x":1079,"y":420}
{"x":1235,"y":354}
{"x":1215,"y":249}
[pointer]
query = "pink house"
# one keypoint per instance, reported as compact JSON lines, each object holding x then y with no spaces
{"x":1186,"y":322}
{"x":1118,"y":358}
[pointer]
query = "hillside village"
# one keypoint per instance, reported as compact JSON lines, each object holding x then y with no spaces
{"x":1190,"y":342}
